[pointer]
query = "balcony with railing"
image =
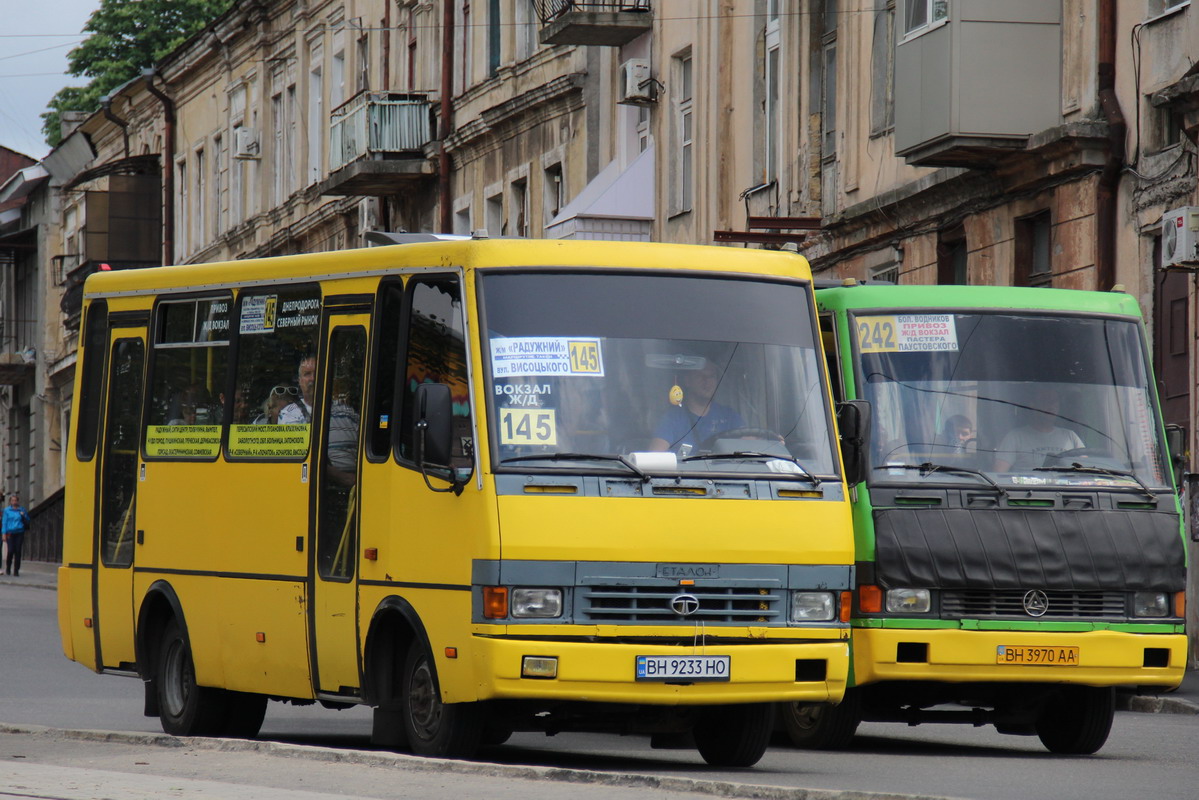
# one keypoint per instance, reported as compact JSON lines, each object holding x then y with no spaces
{"x":377,"y":143}
{"x":603,"y":24}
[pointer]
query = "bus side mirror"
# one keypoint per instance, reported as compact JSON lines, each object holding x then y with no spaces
{"x":1176,"y":444}
{"x":433,"y":429}
{"x":853,"y":423}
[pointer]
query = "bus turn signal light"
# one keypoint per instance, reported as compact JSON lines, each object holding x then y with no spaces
{"x":495,"y":602}
{"x":870,"y":599}
{"x":846,"y":606}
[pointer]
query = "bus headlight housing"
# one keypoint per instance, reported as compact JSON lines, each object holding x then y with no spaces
{"x":909,"y":601}
{"x":1151,"y":604}
{"x":813,"y":606}
{"x":536,"y":603}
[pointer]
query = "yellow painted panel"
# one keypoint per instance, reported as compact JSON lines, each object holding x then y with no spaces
{"x":1106,"y":658}
{"x":551,"y":527}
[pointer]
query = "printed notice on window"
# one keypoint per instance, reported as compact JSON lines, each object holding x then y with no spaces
{"x":547,"y":355}
{"x":907,"y":333}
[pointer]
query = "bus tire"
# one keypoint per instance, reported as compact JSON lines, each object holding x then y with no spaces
{"x":434,"y":728}
{"x":184,"y":708}
{"x":734,"y":736}
{"x":245,"y":712}
{"x":1077,"y":719}
{"x":820,"y":726}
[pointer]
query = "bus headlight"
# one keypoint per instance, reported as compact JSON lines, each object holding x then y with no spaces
{"x":813,"y":606}
{"x":909,"y":601}
{"x":542,"y":603}
{"x":1151,"y":604}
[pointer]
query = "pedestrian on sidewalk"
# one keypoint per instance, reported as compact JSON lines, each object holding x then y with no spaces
{"x":14,"y":525}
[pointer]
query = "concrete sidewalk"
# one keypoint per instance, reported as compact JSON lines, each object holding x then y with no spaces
{"x":1183,"y":700}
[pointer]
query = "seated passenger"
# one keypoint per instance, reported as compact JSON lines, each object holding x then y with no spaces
{"x":1025,"y":447}
{"x":192,"y":406}
{"x":299,"y":412}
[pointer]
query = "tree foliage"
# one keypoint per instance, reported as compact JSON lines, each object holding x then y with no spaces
{"x":123,"y":38}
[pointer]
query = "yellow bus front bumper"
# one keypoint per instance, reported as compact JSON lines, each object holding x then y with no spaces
{"x":605,"y":672}
{"x":1105,"y":658}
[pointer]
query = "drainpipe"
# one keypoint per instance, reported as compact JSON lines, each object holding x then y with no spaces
{"x":106,"y":106}
{"x":447,"y":112}
{"x":1107,"y":195}
{"x":168,"y":167}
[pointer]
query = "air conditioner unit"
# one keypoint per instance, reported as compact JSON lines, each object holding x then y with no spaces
{"x":245,"y":143}
{"x":1180,"y":236}
{"x":636,"y":86}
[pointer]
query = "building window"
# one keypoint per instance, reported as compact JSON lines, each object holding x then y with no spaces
{"x":951,"y":257}
{"x":519,"y":208}
{"x":200,"y":218}
{"x":493,"y":37}
{"x":553,"y":192}
{"x":882,"y":69}
{"x":922,"y":15}
{"x":494,"y":215}
{"x":828,"y":106}
{"x":278,"y":126}
{"x":684,"y":133}
{"x":364,"y":54}
{"x":337,"y":87}
{"x":773,"y":133}
{"x":292,"y":135}
{"x":1033,"y":263}
{"x":1159,"y":7}
{"x":526,"y":31}
{"x":181,"y":210}
{"x":642,"y":128}
{"x":888,"y":273}
{"x":462,"y":221}
{"x":316,"y":122}
{"x":220,"y":188}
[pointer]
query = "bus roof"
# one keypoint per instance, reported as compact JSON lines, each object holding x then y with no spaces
{"x":883,"y":296}
{"x":468,"y":254}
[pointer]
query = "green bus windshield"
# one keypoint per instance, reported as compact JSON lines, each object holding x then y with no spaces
{"x":1015,"y":398}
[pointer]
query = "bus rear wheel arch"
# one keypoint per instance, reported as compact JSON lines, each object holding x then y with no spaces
{"x":187,"y":709}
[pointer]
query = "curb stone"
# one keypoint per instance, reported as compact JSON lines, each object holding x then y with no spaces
{"x":712,"y":788}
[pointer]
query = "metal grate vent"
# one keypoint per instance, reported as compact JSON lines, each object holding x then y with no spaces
{"x":1062,"y":605}
{"x":652,"y":604}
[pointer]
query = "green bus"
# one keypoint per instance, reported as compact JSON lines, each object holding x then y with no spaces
{"x":1019,"y":541}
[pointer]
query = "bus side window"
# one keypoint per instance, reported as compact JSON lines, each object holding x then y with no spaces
{"x":189,"y":370}
{"x":95,"y":349}
{"x":275,"y":376}
{"x":436,"y":353}
{"x":380,"y":419}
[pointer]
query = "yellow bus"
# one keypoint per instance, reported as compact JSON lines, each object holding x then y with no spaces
{"x":481,"y":486}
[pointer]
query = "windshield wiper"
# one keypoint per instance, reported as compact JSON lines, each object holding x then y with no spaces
{"x":928,"y":468}
{"x":1119,"y":473}
{"x":640,"y":473}
{"x":754,"y":454}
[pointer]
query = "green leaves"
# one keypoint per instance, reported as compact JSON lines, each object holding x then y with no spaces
{"x":125,"y":37}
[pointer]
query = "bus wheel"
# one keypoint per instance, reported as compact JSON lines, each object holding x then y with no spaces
{"x":820,"y":726}
{"x":734,"y":736}
{"x":434,"y":728}
{"x":1077,"y":719}
{"x":184,"y":708}
{"x":245,"y":714}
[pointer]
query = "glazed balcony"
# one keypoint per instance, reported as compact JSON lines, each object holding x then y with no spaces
{"x":377,"y":144}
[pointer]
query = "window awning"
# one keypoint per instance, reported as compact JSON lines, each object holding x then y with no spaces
{"x":617,"y":204}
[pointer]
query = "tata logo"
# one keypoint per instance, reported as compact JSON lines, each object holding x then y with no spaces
{"x":1036,"y":603}
{"x":688,"y":571}
{"x":684,"y":604}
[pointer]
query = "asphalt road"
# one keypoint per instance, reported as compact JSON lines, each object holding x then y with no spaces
{"x":1148,"y":754}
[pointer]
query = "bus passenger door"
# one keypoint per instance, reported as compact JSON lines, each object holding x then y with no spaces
{"x":116,"y":520}
{"x":334,"y":540}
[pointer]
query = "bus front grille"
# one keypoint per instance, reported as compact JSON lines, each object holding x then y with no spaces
{"x":976,"y":604}
{"x":658,"y":604}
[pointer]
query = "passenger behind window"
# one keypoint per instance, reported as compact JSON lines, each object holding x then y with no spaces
{"x":299,"y":412}
{"x":279,"y":398}
{"x":193,"y":406}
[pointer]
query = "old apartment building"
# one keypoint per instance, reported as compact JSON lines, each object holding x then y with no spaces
{"x":1027,"y":142}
